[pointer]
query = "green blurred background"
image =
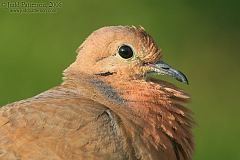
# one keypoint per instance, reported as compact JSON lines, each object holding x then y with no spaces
{"x":201,"y":38}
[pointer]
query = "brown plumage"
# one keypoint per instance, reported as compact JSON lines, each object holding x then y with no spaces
{"x":106,"y":108}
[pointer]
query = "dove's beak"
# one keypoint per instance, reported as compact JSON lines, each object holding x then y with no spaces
{"x":162,"y":68}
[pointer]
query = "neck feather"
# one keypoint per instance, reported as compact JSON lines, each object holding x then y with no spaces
{"x":155,"y":110}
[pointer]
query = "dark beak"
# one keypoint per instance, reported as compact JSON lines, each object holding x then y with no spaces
{"x":162,"y":68}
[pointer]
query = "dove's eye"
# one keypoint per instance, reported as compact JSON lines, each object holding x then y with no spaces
{"x":125,"y":51}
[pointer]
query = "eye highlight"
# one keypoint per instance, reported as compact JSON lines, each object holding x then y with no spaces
{"x":125,"y":51}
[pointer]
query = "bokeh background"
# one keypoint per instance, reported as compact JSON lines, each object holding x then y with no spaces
{"x":200,"y":37}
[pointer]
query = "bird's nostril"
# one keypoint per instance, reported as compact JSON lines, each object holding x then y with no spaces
{"x":165,"y":68}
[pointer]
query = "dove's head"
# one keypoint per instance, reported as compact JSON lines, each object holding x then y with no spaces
{"x":111,"y":69}
{"x":122,"y":51}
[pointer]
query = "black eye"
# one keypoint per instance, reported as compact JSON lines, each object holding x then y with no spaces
{"x":125,"y":52}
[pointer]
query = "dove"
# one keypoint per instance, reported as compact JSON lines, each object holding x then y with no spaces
{"x":111,"y":105}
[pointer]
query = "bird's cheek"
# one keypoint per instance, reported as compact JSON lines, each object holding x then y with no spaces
{"x":132,"y":70}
